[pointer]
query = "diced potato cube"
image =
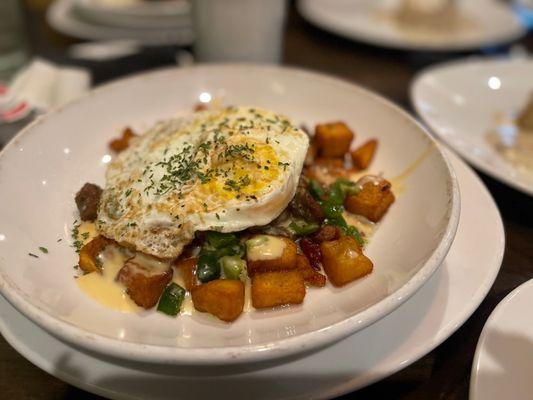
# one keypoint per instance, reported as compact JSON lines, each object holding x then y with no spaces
{"x":271,"y":289}
{"x":88,"y":258}
{"x":310,"y":275}
{"x":270,"y":253}
{"x":333,"y":139}
{"x":344,"y":261}
{"x":187,"y":269}
{"x":223,"y":298}
{"x":372,"y":201}
{"x":144,"y":284}
{"x":363,"y":155}
{"x":122,"y":143}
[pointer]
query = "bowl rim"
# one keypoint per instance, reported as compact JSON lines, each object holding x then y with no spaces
{"x":201,"y":356}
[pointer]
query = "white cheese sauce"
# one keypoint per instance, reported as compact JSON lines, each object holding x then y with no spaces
{"x":103,"y":288}
{"x":187,"y":307}
{"x":264,"y":247}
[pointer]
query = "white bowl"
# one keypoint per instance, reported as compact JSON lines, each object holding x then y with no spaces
{"x":45,"y":165}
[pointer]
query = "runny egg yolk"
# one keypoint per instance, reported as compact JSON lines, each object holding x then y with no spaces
{"x":243,"y":176}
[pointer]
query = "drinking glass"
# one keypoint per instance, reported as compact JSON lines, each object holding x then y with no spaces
{"x":239,"y":30}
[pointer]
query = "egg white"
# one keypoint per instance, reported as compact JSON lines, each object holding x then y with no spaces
{"x":243,"y":163}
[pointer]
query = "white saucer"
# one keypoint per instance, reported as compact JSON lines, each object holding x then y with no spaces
{"x":63,"y":17}
{"x":504,"y":355}
{"x":392,"y":343}
{"x":369,"y":21}
{"x":461,"y":101}
{"x":168,"y":14}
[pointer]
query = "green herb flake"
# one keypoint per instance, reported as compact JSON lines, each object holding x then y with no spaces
{"x":33,"y":255}
{"x":43,"y":249}
{"x":77,"y":244}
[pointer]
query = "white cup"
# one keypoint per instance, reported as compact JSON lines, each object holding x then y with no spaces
{"x":239,"y":30}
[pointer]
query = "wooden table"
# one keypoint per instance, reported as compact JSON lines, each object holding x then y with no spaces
{"x":442,"y":374}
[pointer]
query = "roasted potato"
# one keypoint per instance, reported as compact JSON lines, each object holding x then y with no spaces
{"x":187,"y":269}
{"x":223,"y":298}
{"x":143,"y":284}
{"x":344,"y":261}
{"x":372,"y":201}
{"x":201,"y":107}
{"x":271,"y":289}
{"x":333,"y":140}
{"x":88,"y":258}
{"x":122,"y":143}
{"x":363,"y":155}
{"x":257,"y":254}
{"x":311,"y":276}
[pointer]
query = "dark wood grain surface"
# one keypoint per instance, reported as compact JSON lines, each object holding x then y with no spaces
{"x":442,"y":374}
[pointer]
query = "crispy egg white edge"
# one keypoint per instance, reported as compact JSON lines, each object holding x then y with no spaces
{"x":239,"y":216}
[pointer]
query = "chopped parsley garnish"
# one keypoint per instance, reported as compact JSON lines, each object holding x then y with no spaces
{"x":43,"y":249}
{"x":234,"y":151}
{"x":284,"y":165}
{"x":76,"y":242}
{"x":233,"y":185}
{"x":33,"y":255}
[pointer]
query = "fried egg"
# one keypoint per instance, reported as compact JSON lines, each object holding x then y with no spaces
{"x":224,"y":170}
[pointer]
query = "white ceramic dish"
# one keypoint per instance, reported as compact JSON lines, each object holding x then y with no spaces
{"x":492,"y":24}
{"x":460,"y":102}
{"x":60,"y":152}
{"x":442,"y":305}
{"x":62,"y":16}
{"x":504,"y":355}
{"x":171,"y":14}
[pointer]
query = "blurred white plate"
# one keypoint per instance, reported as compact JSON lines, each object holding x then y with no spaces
{"x":369,"y":21}
{"x":423,"y":322}
{"x":136,"y":14}
{"x":503,"y":362}
{"x":460,"y":102}
{"x":62,"y":16}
